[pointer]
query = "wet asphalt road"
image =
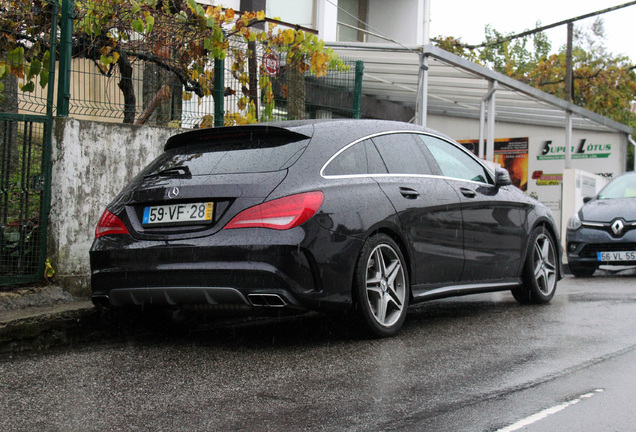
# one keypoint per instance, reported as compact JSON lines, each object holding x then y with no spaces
{"x":480,"y":363}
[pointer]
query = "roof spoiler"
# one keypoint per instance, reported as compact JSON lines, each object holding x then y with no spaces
{"x":231,"y":133}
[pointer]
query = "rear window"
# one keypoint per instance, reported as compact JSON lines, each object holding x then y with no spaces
{"x":254,"y":156}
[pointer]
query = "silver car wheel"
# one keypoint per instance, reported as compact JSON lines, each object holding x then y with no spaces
{"x":385,"y":285}
{"x":544,"y":263}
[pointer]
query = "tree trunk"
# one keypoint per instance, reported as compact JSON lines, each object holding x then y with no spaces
{"x":154,"y":83}
{"x":127,"y":88}
{"x":253,"y":75}
{"x":296,"y":99}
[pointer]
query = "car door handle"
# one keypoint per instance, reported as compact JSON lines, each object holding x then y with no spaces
{"x":409,"y":193}
{"x":468,"y":193}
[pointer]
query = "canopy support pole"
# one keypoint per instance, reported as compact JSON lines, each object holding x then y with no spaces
{"x":490,"y":98}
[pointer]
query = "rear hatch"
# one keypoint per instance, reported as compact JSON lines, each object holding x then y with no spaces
{"x":204,"y":178}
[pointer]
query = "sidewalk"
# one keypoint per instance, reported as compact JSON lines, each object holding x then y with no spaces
{"x":35,"y":317}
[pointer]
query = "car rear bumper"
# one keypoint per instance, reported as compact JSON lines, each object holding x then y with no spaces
{"x":250,"y":267}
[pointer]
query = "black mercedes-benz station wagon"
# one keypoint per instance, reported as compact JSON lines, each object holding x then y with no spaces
{"x":359,"y":215}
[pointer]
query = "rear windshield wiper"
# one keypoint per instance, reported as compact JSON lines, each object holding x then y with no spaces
{"x":178,"y":171}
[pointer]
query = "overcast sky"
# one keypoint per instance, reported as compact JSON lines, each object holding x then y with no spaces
{"x":468,"y":18}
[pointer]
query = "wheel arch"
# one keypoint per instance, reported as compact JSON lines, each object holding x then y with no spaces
{"x":545,"y":223}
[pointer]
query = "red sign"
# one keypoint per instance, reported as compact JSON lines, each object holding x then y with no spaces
{"x":271,"y":64}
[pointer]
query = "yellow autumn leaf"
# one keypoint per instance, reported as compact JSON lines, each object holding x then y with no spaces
{"x":288,"y":36}
{"x":260,"y":15}
{"x":319,"y":64}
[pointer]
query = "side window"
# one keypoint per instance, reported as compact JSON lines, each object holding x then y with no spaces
{"x":374,"y":160}
{"x":350,"y":162}
{"x":455,"y":162}
{"x":360,"y":158}
{"x":401,"y":154}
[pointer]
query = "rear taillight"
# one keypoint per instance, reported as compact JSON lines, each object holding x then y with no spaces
{"x":281,"y":214}
{"x":109,"y":224}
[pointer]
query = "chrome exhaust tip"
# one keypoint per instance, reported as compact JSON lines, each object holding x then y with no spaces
{"x":266,"y":300}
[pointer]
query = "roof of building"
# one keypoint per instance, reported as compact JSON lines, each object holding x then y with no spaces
{"x":456,"y":87}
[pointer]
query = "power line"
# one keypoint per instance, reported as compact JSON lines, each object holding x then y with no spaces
{"x":540,"y":29}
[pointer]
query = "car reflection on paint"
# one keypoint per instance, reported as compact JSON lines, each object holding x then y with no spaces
{"x":603,"y":232}
{"x":359,"y":215}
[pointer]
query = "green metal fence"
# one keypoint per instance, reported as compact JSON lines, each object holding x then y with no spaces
{"x":24,"y":196}
{"x":25,"y":150}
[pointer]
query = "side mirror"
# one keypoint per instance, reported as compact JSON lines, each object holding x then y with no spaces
{"x":502,"y":177}
{"x":587,"y":199}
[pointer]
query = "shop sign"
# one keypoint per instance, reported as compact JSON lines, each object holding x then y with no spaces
{"x":583,"y":150}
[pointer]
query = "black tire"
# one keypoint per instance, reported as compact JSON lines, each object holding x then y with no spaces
{"x":381,"y":286}
{"x":540,"y":270}
{"x":582,"y":272}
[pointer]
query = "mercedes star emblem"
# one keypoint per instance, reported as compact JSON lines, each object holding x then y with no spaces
{"x":173,"y":193}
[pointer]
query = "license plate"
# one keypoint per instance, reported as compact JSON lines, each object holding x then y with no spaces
{"x":178,"y":213}
{"x":617,"y":256}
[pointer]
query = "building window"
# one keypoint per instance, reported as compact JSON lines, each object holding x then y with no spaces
{"x":352,"y":15}
{"x":301,"y":12}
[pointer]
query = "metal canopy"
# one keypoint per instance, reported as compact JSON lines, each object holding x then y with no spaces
{"x":456,"y":87}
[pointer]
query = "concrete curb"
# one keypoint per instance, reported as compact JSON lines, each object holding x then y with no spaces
{"x":41,"y":327}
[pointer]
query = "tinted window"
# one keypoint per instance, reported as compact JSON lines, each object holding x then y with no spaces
{"x":351,"y":161}
{"x":230,"y":158}
{"x":360,"y":158}
{"x":401,"y":154}
{"x":453,"y":161}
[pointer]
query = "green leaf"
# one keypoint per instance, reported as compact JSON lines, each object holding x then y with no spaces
{"x":34,"y":70}
{"x":106,"y":59}
{"x":181,"y":17}
{"x":192,"y":4}
{"x":217,"y":34}
{"x":137,"y":25}
{"x":150,"y":23}
{"x":45,"y":59}
{"x":28,"y":87}
{"x":135,"y":8}
{"x":3,"y":71}
{"x":44,"y":78}
{"x":16,"y":57}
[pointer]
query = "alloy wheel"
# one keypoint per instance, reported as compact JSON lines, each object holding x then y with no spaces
{"x":385,"y":285}
{"x":545,"y":264}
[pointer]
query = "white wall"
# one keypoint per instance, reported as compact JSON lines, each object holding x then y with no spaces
{"x":577,"y":184}
{"x":91,"y":163}
{"x":400,"y":20}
